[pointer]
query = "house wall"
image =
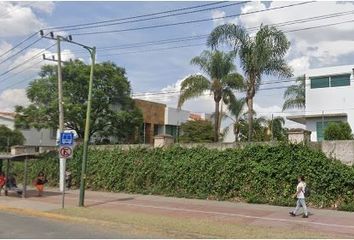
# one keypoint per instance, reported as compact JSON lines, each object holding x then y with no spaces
{"x":176,"y":117}
{"x":7,"y":122}
{"x":43,"y":137}
{"x":329,"y":100}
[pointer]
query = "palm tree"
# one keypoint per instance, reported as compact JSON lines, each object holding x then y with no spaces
{"x":221,"y":80}
{"x":260,"y":55}
{"x":235,"y":108}
{"x":259,"y":131}
{"x":295,"y":95}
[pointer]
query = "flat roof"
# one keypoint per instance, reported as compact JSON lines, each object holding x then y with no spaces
{"x":302,"y":118}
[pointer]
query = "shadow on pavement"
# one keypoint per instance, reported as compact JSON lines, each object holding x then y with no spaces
{"x":110,"y":201}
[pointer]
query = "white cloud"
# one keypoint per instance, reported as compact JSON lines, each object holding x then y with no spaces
{"x":43,"y":6}
{"x":310,"y":48}
{"x":4,"y":47}
{"x":17,"y":20}
{"x":66,"y":56}
{"x":217,"y":17}
{"x":12,"y":97}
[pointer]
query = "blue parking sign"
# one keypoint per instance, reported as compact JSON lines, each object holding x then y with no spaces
{"x":67,"y":138}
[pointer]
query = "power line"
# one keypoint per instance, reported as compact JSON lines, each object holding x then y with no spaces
{"x":154,"y":18}
{"x":22,"y":50}
{"x":27,"y":60}
{"x":22,"y":81}
{"x":134,"y":17}
{"x":19,"y":44}
{"x":191,"y":21}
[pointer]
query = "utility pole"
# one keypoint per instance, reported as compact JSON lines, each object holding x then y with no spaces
{"x":272,"y":128}
{"x":87,"y":129}
{"x":62,"y":161}
{"x":92,"y":51}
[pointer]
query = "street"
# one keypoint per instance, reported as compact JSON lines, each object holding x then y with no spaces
{"x":16,"y":226}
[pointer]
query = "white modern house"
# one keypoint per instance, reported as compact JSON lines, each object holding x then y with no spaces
{"x":329,"y":98}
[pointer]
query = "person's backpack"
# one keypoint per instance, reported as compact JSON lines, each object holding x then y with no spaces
{"x":307,"y":192}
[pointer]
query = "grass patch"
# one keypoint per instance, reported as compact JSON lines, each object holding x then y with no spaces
{"x":164,"y":226}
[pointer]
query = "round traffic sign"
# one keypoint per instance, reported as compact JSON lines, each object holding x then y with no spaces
{"x":65,"y":152}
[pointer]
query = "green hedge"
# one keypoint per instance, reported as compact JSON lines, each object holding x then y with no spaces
{"x":256,"y":174}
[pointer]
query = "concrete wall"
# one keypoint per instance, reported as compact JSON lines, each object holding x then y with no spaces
{"x":341,"y":150}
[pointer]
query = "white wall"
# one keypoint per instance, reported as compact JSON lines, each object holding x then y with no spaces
{"x":7,"y":122}
{"x":43,"y":137}
{"x":329,"y":100}
{"x":175,"y":117}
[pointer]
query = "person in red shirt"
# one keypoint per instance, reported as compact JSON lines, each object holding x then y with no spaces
{"x":39,"y":183}
{"x":2,"y":181}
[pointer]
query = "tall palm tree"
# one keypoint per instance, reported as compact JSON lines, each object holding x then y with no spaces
{"x":262,"y":54}
{"x":220,"y":79}
{"x":295,"y":95}
{"x":258,"y":131}
{"x":235,"y":108}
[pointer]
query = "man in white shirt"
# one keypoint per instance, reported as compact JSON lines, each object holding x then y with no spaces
{"x":300,"y":195}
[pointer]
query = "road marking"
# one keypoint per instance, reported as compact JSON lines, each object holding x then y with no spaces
{"x":221,"y":213}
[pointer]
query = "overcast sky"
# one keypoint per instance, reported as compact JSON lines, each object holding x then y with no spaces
{"x":164,"y":69}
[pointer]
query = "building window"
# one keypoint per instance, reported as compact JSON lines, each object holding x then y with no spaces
{"x":330,"y":81}
{"x":340,"y":80}
{"x":319,"y":82}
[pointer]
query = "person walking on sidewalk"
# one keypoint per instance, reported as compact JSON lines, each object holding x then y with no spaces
{"x":300,"y":195}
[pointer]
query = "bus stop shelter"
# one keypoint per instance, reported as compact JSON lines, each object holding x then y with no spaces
{"x":18,"y":158}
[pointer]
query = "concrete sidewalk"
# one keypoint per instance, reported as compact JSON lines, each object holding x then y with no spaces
{"x":329,"y":223}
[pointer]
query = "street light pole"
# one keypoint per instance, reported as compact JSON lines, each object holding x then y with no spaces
{"x":87,"y":129}
{"x":92,"y":51}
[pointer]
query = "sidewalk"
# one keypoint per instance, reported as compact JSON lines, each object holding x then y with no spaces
{"x":198,"y":217}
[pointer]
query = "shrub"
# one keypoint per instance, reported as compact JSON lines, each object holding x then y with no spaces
{"x":257,"y":173}
{"x":338,"y":131}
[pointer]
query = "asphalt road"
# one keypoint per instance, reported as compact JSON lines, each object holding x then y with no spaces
{"x":16,"y":226}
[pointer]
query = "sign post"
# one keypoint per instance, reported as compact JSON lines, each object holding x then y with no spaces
{"x":65,"y":152}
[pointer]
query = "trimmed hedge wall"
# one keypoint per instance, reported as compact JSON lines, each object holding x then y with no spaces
{"x":255,"y":174}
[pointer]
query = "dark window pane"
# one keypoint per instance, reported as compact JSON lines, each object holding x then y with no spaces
{"x":340,"y":80}
{"x":319,"y":82}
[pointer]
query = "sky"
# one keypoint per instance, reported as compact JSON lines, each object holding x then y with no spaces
{"x":162,"y":67}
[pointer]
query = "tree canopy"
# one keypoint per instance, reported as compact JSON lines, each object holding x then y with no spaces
{"x":259,"y":55}
{"x":10,"y":138}
{"x":197,"y":131}
{"x":338,"y":131}
{"x":113,"y":111}
{"x":221,"y":80}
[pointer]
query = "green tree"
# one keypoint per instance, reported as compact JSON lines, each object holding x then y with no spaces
{"x":338,"y":131}
{"x":10,"y":138}
{"x":295,"y":95}
{"x":221,"y":80}
{"x":275,"y":128}
{"x":113,"y":111}
{"x":199,"y":131}
{"x":259,"y":130}
{"x":260,"y":55}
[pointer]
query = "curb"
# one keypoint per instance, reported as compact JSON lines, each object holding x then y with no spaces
{"x":49,"y":215}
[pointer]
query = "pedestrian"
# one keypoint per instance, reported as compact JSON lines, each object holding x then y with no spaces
{"x":300,"y":195}
{"x":39,"y":183}
{"x":2,"y":181}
